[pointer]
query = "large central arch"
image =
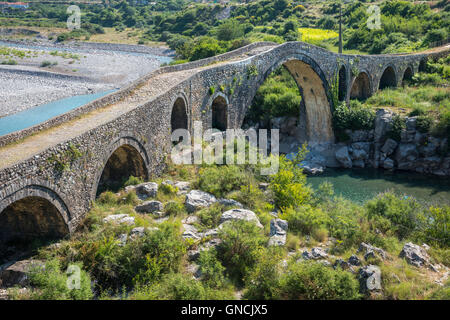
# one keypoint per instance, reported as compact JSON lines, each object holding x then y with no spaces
{"x":314,"y":89}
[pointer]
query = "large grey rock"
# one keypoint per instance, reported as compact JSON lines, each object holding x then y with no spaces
{"x":369,"y":279}
{"x":388,"y":164}
{"x":383,"y":124}
{"x":277,"y":240}
{"x":120,"y":218}
{"x":315,"y":254}
{"x":368,"y":249}
{"x":354,"y":260}
{"x":182,"y":186}
{"x":16,"y":273}
{"x":150,"y":207}
{"x":343,"y":157}
{"x":240,"y":214}
{"x":148,"y":190}
{"x":230,"y":203}
{"x":278,"y":227}
{"x":389,"y":147}
{"x":415,"y":255}
{"x":191,"y":232}
{"x":405,"y":155}
{"x":197,"y":199}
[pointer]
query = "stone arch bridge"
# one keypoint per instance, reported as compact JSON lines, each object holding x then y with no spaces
{"x":51,"y":173}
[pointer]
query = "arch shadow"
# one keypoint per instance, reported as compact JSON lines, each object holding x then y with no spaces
{"x":388,"y":78}
{"x":361,"y":86}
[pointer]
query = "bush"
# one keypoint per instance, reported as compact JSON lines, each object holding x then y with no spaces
{"x":263,"y":281}
{"x":50,"y":283}
{"x":242,"y":243}
{"x":211,"y":269}
{"x":133,"y":181}
{"x":210,"y":217}
{"x":220,"y":180}
{"x":289,"y":183}
{"x":305,"y":219}
{"x":355,"y":117}
{"x":398,"y":124}
{"x":394,"y":215}
{"x":108,"y":198}
{"x":424,"y":123}
{"x":314,"y":281}
{"x":173,"y":208}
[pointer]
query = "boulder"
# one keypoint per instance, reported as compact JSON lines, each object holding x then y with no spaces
{"x":191,"y":220}
{"x":137,"y":232}
{"x":339,"y":263}
{"x":150,"y":207}
{"x":197,"y":199}
{"x":343,"y":157}
{"x":147,"y":190}
{"x":122,"y":238}
{"x":277,"y":240}
{"x":368,"y":249}
{"x":16,"y":273}
{"x":388,"y":164}
{"x":120,"y":218}
{"x":369,"y":279}
{"x":415,"y":255}
{"x":354,"y":260}
{"x":191,"y":232}
{"x":278,"y":227}
{"x":383,"y":124}
{"x":230,"y":203}
{"x":315,"y":254}
{"x":389,"y":146}
{"x":182,"y":186}
{"x":240,"y":214}
{"x":406,"y":155}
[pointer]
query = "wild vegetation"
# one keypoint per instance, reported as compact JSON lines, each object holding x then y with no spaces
{"x":156,"y":264}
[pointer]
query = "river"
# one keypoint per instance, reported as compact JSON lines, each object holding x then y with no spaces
{"x":360,"y":185}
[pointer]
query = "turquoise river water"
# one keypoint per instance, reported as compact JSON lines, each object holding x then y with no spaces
{"x":360,"y":185}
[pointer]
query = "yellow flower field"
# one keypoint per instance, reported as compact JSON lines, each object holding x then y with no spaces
{"x":313,"y":35}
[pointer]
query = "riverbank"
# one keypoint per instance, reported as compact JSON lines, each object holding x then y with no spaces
{"x":34,"y":73}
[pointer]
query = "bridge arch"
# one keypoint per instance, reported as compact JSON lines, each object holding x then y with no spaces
{"x":407,"y":75}
{"x":388,"y":78}
{"x":125,"y":157}
{"x":361,"y":86}
{"x":179,"y":118}
{"x":314,"y":89}
{"x":33,"y":212}
{"x":219,"y":112}
{"x":342,"y":83}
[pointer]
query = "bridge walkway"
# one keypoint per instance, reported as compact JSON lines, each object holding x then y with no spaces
{"x":28,"y":147}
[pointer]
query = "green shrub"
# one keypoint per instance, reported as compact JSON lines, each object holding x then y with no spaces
{"x":305,"y":219}
{"x":173,"y":208}
{"x":398,"y":124}
{"x":210,"y":217}
{"x":314,"y":281}
{"x":211,"y":269}
{"x":241,"y":246}
{"x":394,"y":215}
{"x":108,"y":198}
{"x":50,"y":283}
{"x":355,"y":117}
{"x":220,"y":180}
{"x":133,"y":181}
{"x":264,"y":280}
{"x":289,"y":183}
{"x":424,"y":123}
{"x":168,"y":189}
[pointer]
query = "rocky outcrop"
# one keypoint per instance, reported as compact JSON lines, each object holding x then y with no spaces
{"x":197,"y":199}
{"x":230,"y":203}
{"x":343,"y":156}
{"x":415,"y":255}
{"x":278,"y":232}
{"x":315,"y":254}
{"x":240,"y":214}
{"x":369,"y":279}
{"x":15,"y":274}
{"x":150,"y":207}
{"x":371,"y":251}
{"x":144,"y":190}
{"x":120,"y":218}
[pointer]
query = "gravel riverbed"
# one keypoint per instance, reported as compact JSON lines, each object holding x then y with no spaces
{"x":77,"y":68}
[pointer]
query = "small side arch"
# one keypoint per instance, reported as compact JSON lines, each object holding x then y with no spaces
{"x":407,"y":75}
{"x":342,"y":83}
{"x":33,"y":212}
{"x":125,"y":157}
{"x":179,"y":118}
{"x":388,"y":78}
{"x":219,"y":112}
{"x":361,"y":87}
